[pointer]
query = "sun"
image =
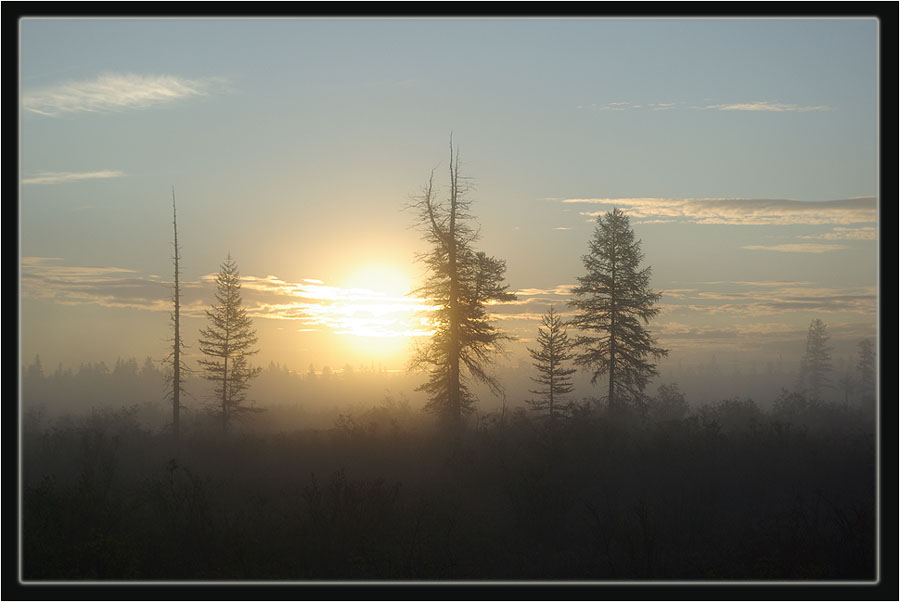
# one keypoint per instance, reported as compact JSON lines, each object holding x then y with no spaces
{"x":377,"y":309}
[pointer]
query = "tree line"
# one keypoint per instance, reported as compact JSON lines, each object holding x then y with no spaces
{"x":612,"y":304}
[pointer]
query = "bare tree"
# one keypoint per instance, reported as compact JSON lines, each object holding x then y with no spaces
{"x":179,"y":369}
{"x":227,"y":341}
{"x":554,"y":377}
{"x":612,"y":300}
{"x":460,"y":281}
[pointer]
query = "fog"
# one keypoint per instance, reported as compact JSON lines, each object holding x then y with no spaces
{"x":342,"y":476}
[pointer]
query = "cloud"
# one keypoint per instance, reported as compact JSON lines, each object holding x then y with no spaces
{"x":755,"y":212}
{"x":755,"y":106}
{"x":865,"y":233}
{"x":754,"y":299}
{"x":312,"y":306}
{"x":796,"y":248}
{"x":673,"y":330}
{"x":765,"y":283}
{"x":60,"y":177}
{"x":42,"y":278}
{"x":765,"y":106}
{"x":115,"y":92}
{"x":610,"y":106}
{"x":559,"y":289}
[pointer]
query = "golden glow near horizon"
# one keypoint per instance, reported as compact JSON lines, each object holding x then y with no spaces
{"x":373,"y":302}
{"x":378,"y":303}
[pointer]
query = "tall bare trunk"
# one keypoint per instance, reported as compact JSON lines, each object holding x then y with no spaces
{"x":176,"y":354}
{"x":453,"y":304}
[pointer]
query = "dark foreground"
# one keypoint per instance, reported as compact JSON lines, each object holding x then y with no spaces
{"x":724,"y":493}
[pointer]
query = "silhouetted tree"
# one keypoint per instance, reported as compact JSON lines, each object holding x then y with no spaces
{"x":179,"y":369}
{"x":865,"y":368}
{"x":228,"y":341}
{"x":612,"y":300}
{"x":460,"y":282}
{"x":554,"y":377}
{"x":817,"y":359}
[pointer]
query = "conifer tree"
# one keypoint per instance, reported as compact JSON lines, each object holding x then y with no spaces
{"x":227,"y":342}
{"x":866,"y":370}
{"x":817,"y":359}
{"x":614,"y":302}
{"x":460,"y":282}
{"x":554,"y":377}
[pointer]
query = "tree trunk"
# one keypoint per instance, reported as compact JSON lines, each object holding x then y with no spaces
{"x":176,"y":356}
{"x":453,"y":303}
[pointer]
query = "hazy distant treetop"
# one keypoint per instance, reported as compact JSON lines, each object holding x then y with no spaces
{"x":817,"y":359}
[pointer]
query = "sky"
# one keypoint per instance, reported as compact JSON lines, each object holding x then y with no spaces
{"x":745,"y":152}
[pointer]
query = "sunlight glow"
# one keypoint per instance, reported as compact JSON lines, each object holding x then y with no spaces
{"x":373,"y":306}
{"x":379,"y":304}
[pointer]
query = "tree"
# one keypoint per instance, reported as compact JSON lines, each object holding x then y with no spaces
{"x":613,"y":299}
{"x":554,"y":377}
{"x":460,"y":281}
{"x":227,"y":341}
{"x":817,"y":359}
{"x":669,"y":404}
{"x":179,"y":368}
{"x":866,"y":369}
{"x":36,"y":370}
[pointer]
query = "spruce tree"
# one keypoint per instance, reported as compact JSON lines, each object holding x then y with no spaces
{"x":817,"y":359}
{"x":614,"y":303}
{"x":554,"y":377}
{"x":866,"y":369}
{"x":227,"y":342}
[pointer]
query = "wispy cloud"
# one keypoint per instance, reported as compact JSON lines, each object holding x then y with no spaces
{"x":115,"y":92}
{"x":763,"y":283}
{"x":560,"y":289}
{"x":796,"y":248}
{"x":741,"y":211}
{"x":756,"y":106}
{"x":865,"y":233}
{"x":622,"y":105}
{"x":45,"y":278}
{"x":313,"y":306}
{"x":766,"y":298}
{"x":765,"y":106}
{"x":59,"y":177}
